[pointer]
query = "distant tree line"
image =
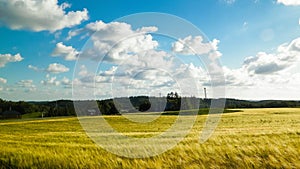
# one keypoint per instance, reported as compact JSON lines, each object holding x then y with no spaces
{"x":20,"y":106}
{"x":171,"y":102}
{"x":234,"y":103}
{"x":49,"y":109}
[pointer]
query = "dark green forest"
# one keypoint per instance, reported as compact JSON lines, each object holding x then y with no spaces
{"x":172,"y":102}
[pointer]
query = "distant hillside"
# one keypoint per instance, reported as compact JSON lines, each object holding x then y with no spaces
{"x":234,"y":103}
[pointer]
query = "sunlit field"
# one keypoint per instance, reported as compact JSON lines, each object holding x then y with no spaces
{"x":253,"y":138}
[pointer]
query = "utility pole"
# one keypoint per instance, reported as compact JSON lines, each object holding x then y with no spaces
{"x":160,"y":102}
{"x":205,"y":94}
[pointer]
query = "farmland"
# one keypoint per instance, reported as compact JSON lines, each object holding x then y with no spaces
{"x":252,"y":138}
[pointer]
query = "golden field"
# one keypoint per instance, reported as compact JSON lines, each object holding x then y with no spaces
{"x":253,"y":138}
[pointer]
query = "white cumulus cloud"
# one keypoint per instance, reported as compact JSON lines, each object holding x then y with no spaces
{"x":50,"y":81}
{"x":66,"y":82}
{"x":57,"y":68}
{"x":2,"y":80}
{"x":27,"y":85}
{"x":6,"y":58}
{"x":263,"y":63}
{"x":67,"y":52}
{"x":266,"y":68}
{"x":115,"y":40}
{"x":39,"y":15}
{"x":269,"y":75}
{"x":34,"y":68}
{"x":229,"y":1}
{"x":194,"y":46}
{"x":289,"y":2}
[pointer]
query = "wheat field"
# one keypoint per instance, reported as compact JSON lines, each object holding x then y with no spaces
{"x":252,"y":138}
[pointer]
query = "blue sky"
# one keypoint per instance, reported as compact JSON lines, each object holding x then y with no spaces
{"x":257,"y":41}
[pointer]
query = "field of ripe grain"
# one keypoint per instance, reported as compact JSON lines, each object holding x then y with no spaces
{"x":253,"y":138}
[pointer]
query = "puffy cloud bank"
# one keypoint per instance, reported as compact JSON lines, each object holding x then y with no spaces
{"x":39,"y":15}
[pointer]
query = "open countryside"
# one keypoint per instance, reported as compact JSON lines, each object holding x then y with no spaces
{"x":125,"y":84}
